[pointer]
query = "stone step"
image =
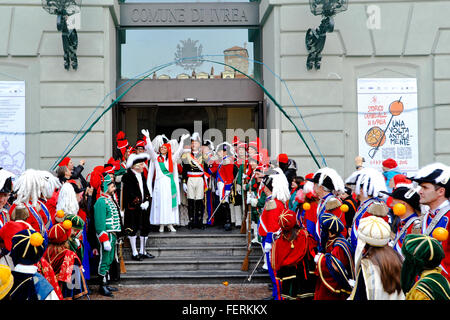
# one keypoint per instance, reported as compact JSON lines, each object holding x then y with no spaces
{"x":200,"y":251}
{"x":192,"y":277}
{"x":190,"y":263}
{"x":177,"y":239}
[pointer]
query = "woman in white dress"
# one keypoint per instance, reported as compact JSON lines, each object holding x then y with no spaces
{"x":166,"y":191}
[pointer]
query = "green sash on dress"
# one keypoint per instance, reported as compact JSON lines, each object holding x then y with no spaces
{"x":173,"y":186}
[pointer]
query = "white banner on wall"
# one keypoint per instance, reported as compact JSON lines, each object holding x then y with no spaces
{"x":12,"y":126}
{"x":388,"y":122}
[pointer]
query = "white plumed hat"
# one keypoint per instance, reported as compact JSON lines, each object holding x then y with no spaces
{"x":369,"y":182}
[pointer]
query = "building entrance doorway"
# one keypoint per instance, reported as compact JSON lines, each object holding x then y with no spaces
{"x":209,"y":107}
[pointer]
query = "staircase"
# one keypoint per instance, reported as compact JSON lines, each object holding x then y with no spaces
{"x":193,"y":256}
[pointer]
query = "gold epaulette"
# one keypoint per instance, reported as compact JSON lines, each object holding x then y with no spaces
{"x":270,"y":205}
{"x":332,"y":204}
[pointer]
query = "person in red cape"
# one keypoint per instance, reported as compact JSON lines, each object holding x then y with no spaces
{"x":288,"y":255}
{"x":65,"y":262}
{"x":46,"y":270}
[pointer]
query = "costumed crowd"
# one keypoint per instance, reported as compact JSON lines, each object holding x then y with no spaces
{"x":377,"y":235}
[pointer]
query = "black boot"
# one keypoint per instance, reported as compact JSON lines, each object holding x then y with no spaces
{"x":227,"y":213}
{"x":103,"y":289}
{"x":191,"y":213}
{"x":199,"y":214}
{"x":112,"y":289}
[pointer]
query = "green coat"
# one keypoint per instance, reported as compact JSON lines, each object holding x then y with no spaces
{"x":106,"y":216}
{"x":256,"y":211}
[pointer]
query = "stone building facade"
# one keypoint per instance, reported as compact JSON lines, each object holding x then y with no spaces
{"x":406,"y":39}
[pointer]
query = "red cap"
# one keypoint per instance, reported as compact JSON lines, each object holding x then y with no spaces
{"x":401,"y":178}
{"x":64,"y":162}
{"x":389,"y":163}
{"x":283,"y":158}
{"x":58,"y":233}
{"x":9,"y":230}
{"x":287,"y":220}
{"x":140,"y":143}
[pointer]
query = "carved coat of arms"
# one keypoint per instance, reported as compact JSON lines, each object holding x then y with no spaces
{"x":188,"y":53}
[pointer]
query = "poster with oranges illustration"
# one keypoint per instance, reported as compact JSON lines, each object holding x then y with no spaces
{"x":388,"y":122}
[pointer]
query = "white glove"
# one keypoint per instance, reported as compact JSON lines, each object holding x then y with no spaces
{"x":144,"y":205}
{"x":146,"y":135}
{"x":351,"y":282}
{"x":316,"y":258}
{"x":238,"y":188}
{"x":185,"y":136}
{"x":107,"y":245}
{"x":253,"y":202}
{"x":249,"y":197}
{"x":185,"y":187}
{"x":267,"y":247}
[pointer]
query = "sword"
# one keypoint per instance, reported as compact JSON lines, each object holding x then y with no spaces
{"x":223,"y":200}
{"x":254,"y":269}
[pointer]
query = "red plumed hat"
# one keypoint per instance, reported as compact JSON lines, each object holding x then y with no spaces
{"x":389,"y":163}
{"x":283,"y":158}
{"x":64,"y":162}
{"x":122,"y":143}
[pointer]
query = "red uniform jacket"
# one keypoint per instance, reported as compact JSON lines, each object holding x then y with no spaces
{"x":224,"y":171}
{"x":268,"y":221}
{"x":444,"y":222}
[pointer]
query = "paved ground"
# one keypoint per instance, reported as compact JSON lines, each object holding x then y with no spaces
{"x":218,"y":291}
{"x":187,"y":292}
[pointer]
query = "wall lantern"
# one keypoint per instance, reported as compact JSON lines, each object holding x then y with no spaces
{"x":63,"y":9}
{"x":315,"y":39}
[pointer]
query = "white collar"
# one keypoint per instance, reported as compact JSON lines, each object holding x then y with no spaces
{"x":22,"y":268}
{"x":442,"y":205}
